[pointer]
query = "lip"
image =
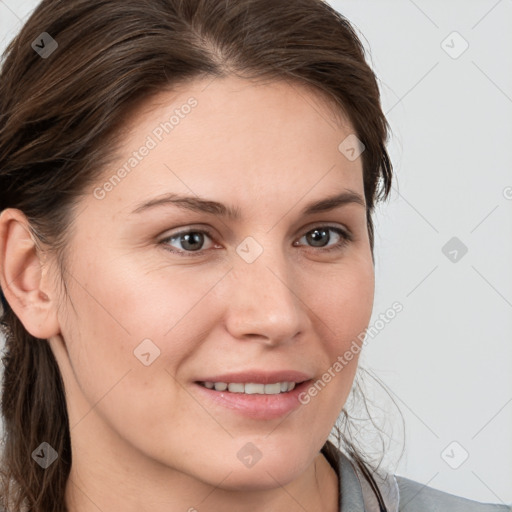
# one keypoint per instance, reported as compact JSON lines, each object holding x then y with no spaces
{"x":258,"y":377}
{"x":255,"y":406}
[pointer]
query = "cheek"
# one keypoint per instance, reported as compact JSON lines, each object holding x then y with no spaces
{"x":122,"y":321}
{"x":344,"y":303}
{"x":138,"y":299}
{"x":123,"y":316}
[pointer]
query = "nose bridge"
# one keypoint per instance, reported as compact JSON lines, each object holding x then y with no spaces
{"x":263,"y":300}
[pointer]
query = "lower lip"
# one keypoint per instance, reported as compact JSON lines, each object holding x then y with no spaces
{"x":256,"y":406}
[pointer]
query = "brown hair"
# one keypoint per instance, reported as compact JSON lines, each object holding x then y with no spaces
{"x":61,"y":114}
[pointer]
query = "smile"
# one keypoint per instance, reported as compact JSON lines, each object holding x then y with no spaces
{"x":251,"y":388}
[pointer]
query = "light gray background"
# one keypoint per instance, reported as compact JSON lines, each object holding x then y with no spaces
{"x":446,"y":358}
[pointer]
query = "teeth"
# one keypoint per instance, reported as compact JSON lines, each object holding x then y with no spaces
{"x":236,"y":388}
{"x":251,"y":388}
{"x":272,"y":389}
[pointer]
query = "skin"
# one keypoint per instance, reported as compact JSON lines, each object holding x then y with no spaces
{"x":142,"y":437}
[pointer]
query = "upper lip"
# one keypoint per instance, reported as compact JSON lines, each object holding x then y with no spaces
{"x":259,"y":377}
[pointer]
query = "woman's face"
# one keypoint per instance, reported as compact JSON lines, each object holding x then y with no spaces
{"x":150,"y":312}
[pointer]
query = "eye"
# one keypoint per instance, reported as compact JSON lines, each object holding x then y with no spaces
{"x":319,"y":237}
{"x":192,"y":240}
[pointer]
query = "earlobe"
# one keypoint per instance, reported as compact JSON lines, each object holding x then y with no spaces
{"x":21,"y":276}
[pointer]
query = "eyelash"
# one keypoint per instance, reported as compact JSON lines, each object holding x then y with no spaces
{"x":346,"y":238}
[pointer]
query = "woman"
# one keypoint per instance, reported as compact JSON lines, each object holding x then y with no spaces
{"x":186,"y":241}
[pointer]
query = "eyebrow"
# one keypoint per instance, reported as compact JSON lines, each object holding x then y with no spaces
{"x":200,"y":205}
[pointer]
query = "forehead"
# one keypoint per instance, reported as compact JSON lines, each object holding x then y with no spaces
{"x":230,"y":135}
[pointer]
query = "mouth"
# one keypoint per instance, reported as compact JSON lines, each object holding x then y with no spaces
{"x":251,"y":388}
{"x":253,"y":400}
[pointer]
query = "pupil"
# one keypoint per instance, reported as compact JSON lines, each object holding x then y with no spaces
{"x":191,"y":238}
{"x":317,"y":234}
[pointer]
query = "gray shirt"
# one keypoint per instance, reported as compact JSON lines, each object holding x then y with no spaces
{"x":400,"y":494}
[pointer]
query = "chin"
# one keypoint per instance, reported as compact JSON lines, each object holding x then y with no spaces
{"x":261,"y":477}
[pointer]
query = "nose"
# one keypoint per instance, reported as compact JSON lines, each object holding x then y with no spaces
{"x":264,"y":302}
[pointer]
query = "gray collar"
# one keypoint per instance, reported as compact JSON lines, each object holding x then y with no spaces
{"x":356,"y":494}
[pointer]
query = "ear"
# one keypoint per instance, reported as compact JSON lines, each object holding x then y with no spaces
{"x":21,"y":276}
